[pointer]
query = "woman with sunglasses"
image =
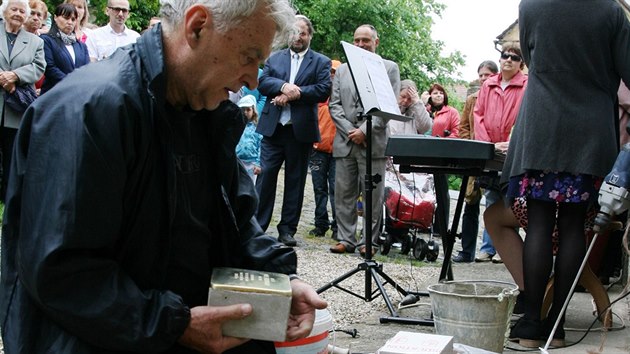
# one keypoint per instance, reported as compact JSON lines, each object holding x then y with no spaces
{"x":564,"y":141}
{"x":495,"y":112}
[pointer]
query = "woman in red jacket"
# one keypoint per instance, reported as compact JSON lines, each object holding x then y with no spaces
{"x":445,"y":117}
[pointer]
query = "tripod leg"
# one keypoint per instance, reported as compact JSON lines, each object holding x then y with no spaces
{"x":389,"y":280}
{"x":441,"y":193}
{"x":375,"y":275}
{"x":340,"y":279}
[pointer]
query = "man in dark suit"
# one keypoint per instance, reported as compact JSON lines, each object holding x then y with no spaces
{"x":294,"y":80}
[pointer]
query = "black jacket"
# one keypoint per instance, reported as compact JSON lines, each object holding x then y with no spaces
{"x":94,"y":206}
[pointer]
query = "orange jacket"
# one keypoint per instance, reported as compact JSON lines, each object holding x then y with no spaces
{"x":327,"y":129}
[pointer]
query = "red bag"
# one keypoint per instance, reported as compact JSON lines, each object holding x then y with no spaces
{"x":409,"y":199}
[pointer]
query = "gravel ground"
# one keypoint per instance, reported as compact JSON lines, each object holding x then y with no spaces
{"x":318,"y":266}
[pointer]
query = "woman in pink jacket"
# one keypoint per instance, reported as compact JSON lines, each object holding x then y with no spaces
{"x":445,"y":117}
{"x":499,"y":98}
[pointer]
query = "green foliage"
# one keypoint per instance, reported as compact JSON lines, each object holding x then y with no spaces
{"x":454,"y":182}
{"x":141,"y":12}
{"x":404,"y":28}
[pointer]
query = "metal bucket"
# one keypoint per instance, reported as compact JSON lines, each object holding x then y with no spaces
{"x":475,"y":312}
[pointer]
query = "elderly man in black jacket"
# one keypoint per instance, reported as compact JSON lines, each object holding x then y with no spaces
{"x":116,"y":214}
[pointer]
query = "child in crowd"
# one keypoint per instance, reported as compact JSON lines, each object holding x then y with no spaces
{"x":248,"y":148}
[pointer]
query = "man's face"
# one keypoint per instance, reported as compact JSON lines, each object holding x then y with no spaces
{"x":226,"y":61}
{"x":363,"y":38}
{"x":118,"y":11}
{"x":301,"y":40}
{"x":510,"y":63}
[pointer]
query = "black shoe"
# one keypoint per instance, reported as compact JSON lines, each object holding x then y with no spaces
{"x":287,"y":239}
{"x":318,"y":232}
{"x":519,"y":306}
{"x":460,"y":258}
{"x":558,"y":337}
{"x":527,"y":333}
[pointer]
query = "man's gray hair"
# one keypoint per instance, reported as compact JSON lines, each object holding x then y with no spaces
{"x":228,"y":14}
{"x":5,"y":4}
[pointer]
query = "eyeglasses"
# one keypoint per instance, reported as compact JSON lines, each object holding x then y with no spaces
{"x":118,"y":9}
{"x":514,"y":57}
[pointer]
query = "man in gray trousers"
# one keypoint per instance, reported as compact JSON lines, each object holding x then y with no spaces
{"x":349,"y":149}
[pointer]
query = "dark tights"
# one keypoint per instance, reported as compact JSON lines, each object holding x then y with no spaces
{"x":538,"y":253}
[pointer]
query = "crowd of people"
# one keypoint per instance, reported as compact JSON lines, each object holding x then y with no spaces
{"x":123,"y":198}
{"x":39,"y":54}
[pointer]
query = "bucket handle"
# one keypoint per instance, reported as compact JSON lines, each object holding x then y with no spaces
{"x":507,"y":293}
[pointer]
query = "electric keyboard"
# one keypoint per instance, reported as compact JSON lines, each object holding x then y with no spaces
{"x":445,"y":154}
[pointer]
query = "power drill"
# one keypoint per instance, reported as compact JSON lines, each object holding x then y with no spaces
{"x":614,"y":197}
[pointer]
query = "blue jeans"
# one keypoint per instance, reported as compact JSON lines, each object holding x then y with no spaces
{"x":322,"y":167}
{"x":493,"y":195}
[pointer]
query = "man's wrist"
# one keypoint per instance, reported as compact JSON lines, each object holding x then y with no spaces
{"x":283,"y":86}
{"x":293,"y":277}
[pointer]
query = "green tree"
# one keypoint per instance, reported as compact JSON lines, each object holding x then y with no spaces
{"x":404,"y":28}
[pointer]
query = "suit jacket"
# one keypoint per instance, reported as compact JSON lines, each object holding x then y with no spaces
{"x":59,"y":63}
{"x":26,"y":61}
{"x":313,"y":78}
{"x":344,"y":107}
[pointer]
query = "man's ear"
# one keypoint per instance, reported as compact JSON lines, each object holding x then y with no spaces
{"x":198,"y":23}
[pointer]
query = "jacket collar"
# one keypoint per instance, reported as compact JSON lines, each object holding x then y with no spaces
{"x":151,"y":52}
{"x":518,"y":79}
{"x":307,"y":58}
{"x":21,"y":41}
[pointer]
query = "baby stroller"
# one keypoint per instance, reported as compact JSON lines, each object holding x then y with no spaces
{"x":408,"y":211}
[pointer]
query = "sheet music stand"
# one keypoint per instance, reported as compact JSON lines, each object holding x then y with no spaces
{"x":377,"y":98}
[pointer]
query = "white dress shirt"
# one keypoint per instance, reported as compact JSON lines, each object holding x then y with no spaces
{"x":103,"y":41}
